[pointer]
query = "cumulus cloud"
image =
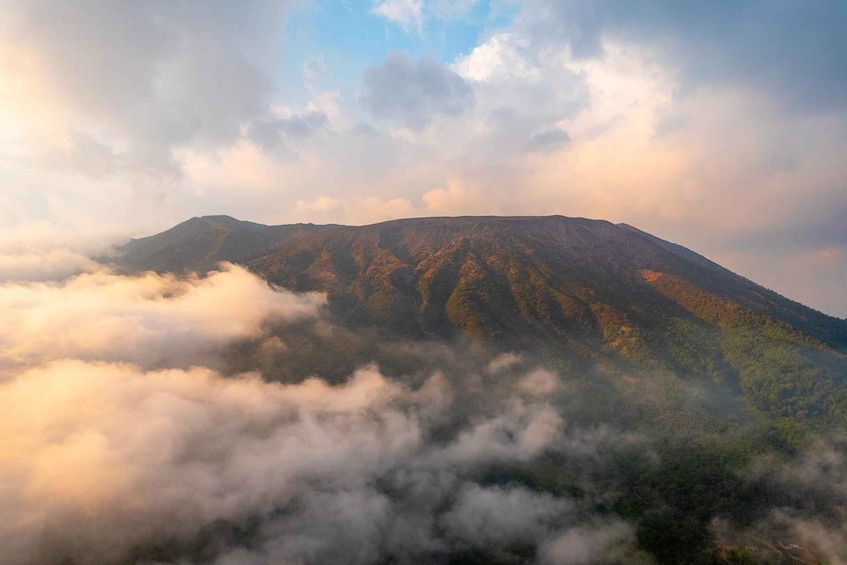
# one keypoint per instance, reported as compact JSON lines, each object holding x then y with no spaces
{"x":501,"y":57}
{"x":415,"y":92}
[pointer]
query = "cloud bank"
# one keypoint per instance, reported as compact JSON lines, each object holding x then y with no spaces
{"x":150,"y":320}
{"x":124,"y":441}
{"x":217,"y":419}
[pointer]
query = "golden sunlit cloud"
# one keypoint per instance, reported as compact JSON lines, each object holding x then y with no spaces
{"x":150,"y":318}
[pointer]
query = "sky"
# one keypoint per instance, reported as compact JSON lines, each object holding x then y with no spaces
{"x":718,"y":125}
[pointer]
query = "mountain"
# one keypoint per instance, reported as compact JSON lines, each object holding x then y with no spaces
{"x":582,"y":293}
{"x":700,"y":409}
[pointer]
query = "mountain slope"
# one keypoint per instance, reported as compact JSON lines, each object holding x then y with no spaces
{"x":581,"y":292}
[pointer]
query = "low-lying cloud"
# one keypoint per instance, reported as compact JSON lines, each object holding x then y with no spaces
{"x":102,"y":461}
{"x":122,"y":440}
{"x":218,"y":419}
{"x":806,"y":520}
{"x":149,"y":319}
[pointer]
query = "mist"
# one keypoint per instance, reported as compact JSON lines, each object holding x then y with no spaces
{"x":127,"y":437}
{"x":218,"y":419}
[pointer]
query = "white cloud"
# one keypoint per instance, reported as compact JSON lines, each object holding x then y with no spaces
{"x":408,"y":14}
{"x":502,"y":57}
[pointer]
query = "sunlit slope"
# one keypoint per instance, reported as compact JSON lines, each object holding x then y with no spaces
{"x":584,"y":292}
